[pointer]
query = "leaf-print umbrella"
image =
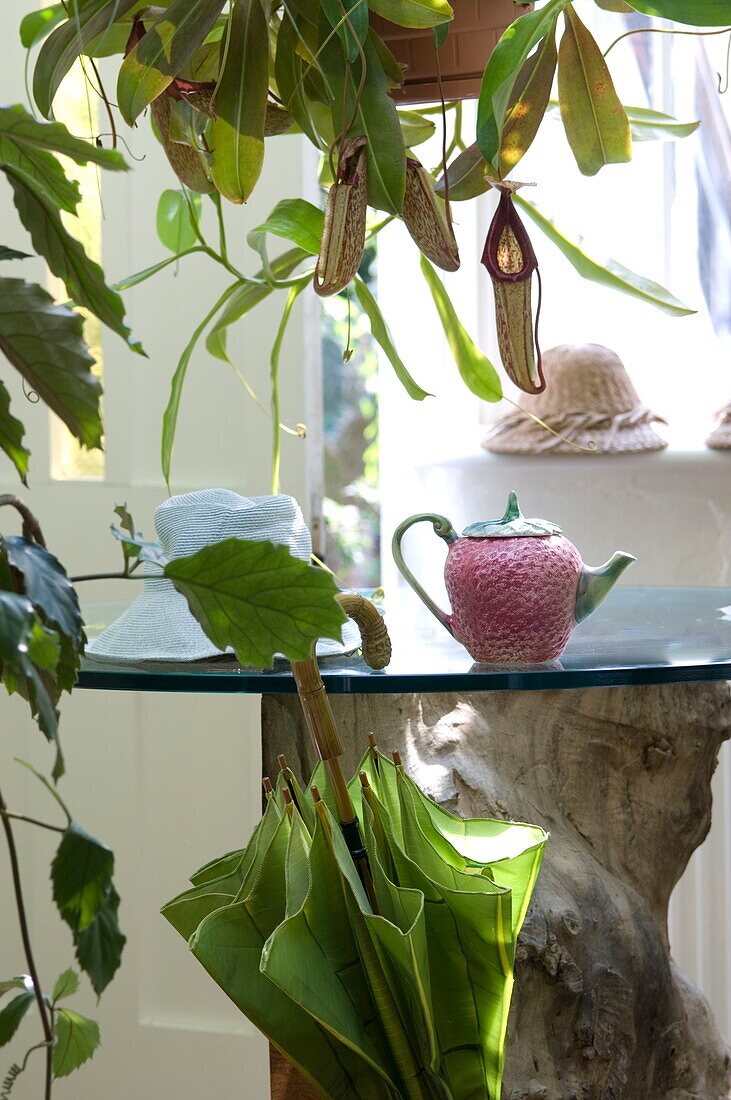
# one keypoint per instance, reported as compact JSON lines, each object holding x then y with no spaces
{"x":393,"y":985}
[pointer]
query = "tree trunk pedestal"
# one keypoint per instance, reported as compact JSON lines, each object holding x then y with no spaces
{"x":620,"y":777}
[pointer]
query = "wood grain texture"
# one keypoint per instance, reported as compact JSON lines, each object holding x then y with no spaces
{"x":621,"y":779}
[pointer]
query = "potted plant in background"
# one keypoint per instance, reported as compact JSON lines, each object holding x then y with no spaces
{"x":222,"y":79}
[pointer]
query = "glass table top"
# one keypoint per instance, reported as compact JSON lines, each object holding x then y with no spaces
{"x":639,"y":635}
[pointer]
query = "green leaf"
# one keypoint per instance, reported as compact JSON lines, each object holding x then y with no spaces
{"x":607,"y":273}
{"x":236,"y":135}
{"x":66,"y":985}
{"x":699,"y":13}
{"x":65,"y":256}
{"x":80,"y":872}
{"x":14,"y":983}
{"x":46,"y":584}
{"x":413,"y":13}
{"x":381,"y":334}
{"x":19,"y":128}
{"x":17,"y":624}
{"x":595,"y":121}
{"x":163,"y":53}
{"x":649,"y":125}
{"x":247,"y":295}
{"x":37,"y":24}
{"x":613,"y":5}
{"x":528,"y":105}
{"x":466,"y":176}
{"x":293,"y":220}
{"x":415,"y":128}
{"x":12,"y":1015}
{"x":352,"y":31}
{"x":77,"y":1038}
{"x":87,"y":21}
{"x":288,"y":73}
{"x":44,"y":648}
{"x":503,"y":70}
{"x":478,"y":373}
{"x":376,"y":118}
{"x":44,"y":342}
{"x":170,"y":416}
{"x":130,"y":551}
{"x":11,"y":435}
{"x":175,"y":226}
{"x":258,"y":599}
{"x":12,"y":254}
{"x":99,"y":946}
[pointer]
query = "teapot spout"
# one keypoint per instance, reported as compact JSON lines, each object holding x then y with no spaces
{"x":595,"y":584}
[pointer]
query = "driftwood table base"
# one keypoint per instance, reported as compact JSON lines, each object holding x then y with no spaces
{"x":621,"y":779}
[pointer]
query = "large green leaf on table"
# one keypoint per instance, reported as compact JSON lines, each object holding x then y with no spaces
{"x":161,"y":55}
{"x":172,"y":409}
{"x":44,"y":342}
{"x":174,"y":223}
{"x":236,"y":135}
{"x":258,"y":599}
{"x":382,"y":336}
{"x":58,"y":53}
{"x":27,"y":147}
{"x":46,"y":584}
{"x":11,"y":1016}
{"x":76,"y":1037}
{"x":413,"y":13}
{"x":478,"y":373}
{"x":19,"y":629}
{"x":530,"y":98}
{"x":83,"y":278}
{"x":376,"y":118}
{"x":350,"y":19}
{"x":247,"y":295}
{"x":595,"y":121}
{"x":37,"y":24}
{"x":699,"y":13}
{"x":294,"y":220}
{"x":11,"y":435}
{"x":502,"y":72}
{"x":466,"y":176}
{"x":608,"y":272}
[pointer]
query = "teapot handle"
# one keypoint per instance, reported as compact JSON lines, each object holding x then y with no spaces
{"x":444,"y":529}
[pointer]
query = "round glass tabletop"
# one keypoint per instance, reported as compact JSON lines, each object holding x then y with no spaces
{"x":640,"y":635}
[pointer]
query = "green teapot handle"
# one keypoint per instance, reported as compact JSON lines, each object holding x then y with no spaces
{"x":444,"y":529}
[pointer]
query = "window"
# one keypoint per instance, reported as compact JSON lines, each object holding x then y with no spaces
{"x":76,"y":106}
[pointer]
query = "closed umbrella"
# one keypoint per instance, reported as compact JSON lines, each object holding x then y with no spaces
{"x":368,"y":932}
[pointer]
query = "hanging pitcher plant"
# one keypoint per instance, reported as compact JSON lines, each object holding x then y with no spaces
{"x":221,"y":78}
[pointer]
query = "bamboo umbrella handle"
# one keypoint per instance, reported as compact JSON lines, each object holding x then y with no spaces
{"x":316,"y":705}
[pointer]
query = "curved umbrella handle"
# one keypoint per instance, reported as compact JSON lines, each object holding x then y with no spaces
{"x":444,"y":529}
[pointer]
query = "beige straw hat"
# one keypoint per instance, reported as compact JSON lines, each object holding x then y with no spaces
{"x":589,"y":399}
{"x":720,"y":437}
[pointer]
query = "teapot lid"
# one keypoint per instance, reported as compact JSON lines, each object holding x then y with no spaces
{"x":512,"y":525}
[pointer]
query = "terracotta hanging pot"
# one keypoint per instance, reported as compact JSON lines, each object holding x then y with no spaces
{"x":473,"y":34}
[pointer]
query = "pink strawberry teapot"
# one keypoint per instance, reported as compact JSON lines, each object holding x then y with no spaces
{"x":516,"y":585}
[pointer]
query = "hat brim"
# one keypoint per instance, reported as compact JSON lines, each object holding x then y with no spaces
{"x":529,"y":438}
{"x":158,"y":626}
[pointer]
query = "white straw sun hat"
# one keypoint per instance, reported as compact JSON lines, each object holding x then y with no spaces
{"x":589,"y":399}
{"x":720,"y":437}
{"x":158,"y":625}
